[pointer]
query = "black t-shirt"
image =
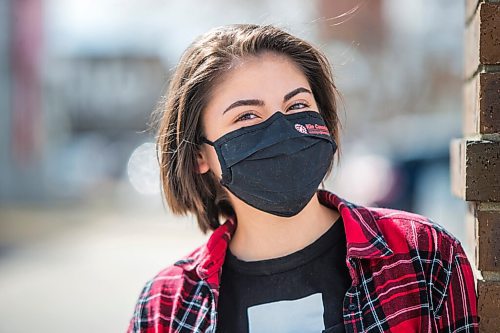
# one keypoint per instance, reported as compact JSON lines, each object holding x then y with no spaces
{"x":300,"y":292}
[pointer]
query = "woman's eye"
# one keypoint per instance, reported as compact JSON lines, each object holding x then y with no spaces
{"x":245,"y":116}
{"x":298,"y":105}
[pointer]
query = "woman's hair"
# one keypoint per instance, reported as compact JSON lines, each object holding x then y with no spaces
{"x":179,"y":116}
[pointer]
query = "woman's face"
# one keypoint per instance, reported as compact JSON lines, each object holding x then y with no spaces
{"x":248,"y":94}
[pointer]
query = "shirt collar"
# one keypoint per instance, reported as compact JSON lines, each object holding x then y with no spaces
{"x":363,"y":237}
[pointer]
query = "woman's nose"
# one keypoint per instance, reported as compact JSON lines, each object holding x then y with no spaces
{"x":272,"y":113}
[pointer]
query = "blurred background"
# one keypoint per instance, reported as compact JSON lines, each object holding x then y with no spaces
{"x":82,"y":224}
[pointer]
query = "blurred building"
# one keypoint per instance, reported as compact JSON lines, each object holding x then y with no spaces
{"x":70,"y":121}
{"x":80,"y":85}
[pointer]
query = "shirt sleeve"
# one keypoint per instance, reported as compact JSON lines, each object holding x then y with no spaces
{"x":458,"y":309}
{"x":140,"y":316}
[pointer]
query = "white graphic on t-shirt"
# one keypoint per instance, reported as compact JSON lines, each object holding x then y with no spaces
{"x":304,"y":315}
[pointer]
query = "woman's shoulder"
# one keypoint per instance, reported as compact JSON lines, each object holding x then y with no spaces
{"x":419,"y":231}
{"x":155,"y":306}
{"x":434,"y":254}
{"x":171,"y":279}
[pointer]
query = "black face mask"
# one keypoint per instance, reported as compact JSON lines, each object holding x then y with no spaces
{"x":277,"y":165}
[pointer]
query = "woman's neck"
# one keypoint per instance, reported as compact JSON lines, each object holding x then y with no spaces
{"x":260,"y":235}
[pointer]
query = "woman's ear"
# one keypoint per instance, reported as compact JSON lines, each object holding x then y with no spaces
{"x":202,"y":161}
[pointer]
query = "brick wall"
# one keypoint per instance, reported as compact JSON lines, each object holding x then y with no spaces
{"x":475,"y":158}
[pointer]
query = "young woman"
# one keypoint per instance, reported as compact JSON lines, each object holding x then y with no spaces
{"x":248,"y":132}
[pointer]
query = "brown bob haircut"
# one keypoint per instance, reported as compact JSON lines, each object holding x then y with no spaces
{"x":205,"y":61}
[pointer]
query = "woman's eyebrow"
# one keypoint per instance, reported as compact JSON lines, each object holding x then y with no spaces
{"x":259,"y":102}
{"x":295,"y":92}
{"x":243,"y":102}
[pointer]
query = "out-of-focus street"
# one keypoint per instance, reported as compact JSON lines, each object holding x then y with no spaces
{"x":80,"y":267}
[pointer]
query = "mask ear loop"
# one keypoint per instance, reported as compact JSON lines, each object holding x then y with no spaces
{"x":205,"y":140}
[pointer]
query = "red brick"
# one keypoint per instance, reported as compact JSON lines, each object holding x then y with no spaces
{"x":489,"y":42}
{"x":489,"y":306}
{"x":482,"y":104}
{"x":489,"y":102}
{"x":482,"y":38}
{"x":483,"y":222}
{"x":475,"y":169}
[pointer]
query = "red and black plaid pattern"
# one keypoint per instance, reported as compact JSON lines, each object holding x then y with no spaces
{"x":409,"y":275}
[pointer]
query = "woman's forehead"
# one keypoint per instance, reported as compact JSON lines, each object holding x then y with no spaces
{"x":257,"y":77}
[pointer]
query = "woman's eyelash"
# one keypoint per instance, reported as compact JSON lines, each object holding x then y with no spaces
{"x":297,"y":103}
{"x":240,"y":117}
{"x":243,"y":115}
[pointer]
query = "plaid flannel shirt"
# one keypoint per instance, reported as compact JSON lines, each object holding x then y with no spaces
{"x":408,"y":275}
